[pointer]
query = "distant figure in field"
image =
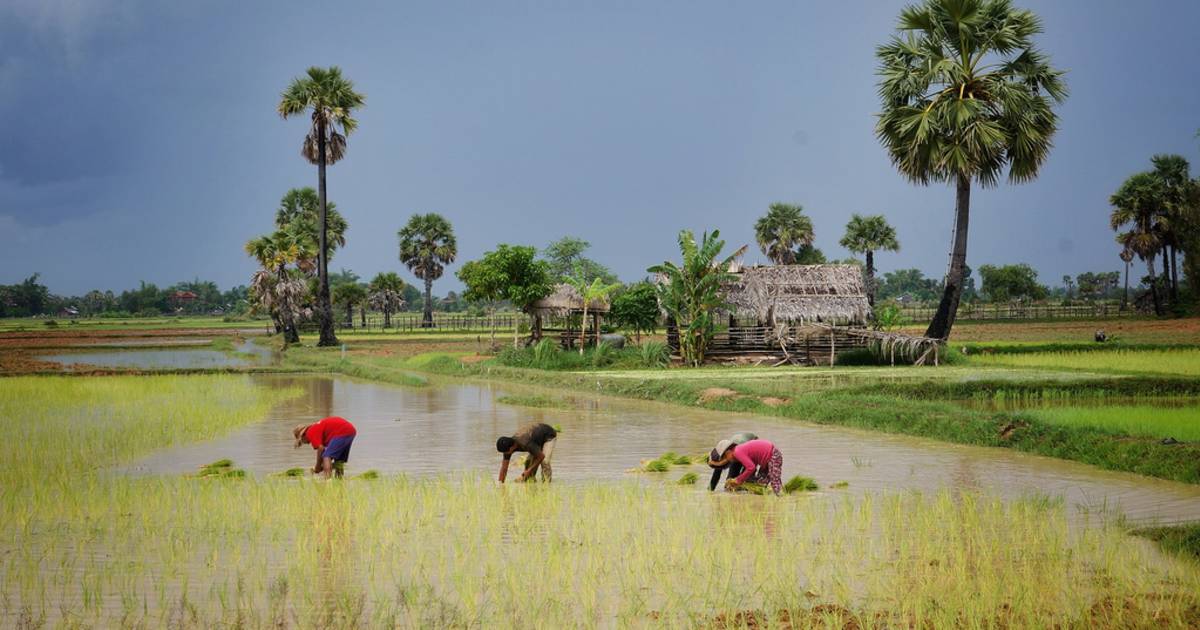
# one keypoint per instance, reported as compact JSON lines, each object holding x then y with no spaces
{"x":1101,"y":336}
{"x":763,"y":463}
{"x":537,"y":440}
{"x":734,"y":467}
{"x":332,"y":438}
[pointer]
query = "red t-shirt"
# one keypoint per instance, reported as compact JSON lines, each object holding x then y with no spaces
{"x":321,"y":433}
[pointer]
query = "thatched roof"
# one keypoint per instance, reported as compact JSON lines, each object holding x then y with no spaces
{"x":831,"y":294}
{"x":566,"y":300}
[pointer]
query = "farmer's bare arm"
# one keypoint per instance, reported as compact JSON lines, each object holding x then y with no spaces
{"x":320,"y":460}
{"x":503,"y":469}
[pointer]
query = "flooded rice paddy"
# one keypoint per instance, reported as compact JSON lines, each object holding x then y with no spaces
{"x":248,"y":354}
{"x":453,"y":427}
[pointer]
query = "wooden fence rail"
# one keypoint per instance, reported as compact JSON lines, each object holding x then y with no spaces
{"x":1020,"y":311}
{"x":408,"y":323}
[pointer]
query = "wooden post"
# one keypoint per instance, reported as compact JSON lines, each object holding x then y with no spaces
{"x":832,"y":346}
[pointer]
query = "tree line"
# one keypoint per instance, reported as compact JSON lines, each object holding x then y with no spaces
{"x":31,"y":298}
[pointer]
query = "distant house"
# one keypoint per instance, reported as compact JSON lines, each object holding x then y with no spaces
{"x":180,"y":299}
{"x":560,"y":308}
{"x":68,"y":311}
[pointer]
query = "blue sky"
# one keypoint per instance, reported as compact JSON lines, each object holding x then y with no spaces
{"x":142,"y":141}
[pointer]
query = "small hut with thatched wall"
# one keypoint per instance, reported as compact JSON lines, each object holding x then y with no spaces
{"x":561,"y":314}
{"x":801,"y":314}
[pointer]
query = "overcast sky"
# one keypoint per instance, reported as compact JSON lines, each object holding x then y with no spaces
{"x":141,"y":140}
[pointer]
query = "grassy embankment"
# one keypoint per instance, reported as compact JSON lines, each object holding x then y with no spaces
{"x":84,"y":547}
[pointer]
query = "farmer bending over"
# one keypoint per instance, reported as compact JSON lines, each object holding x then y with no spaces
{"x":734,"y":467}
{"x":331,"y":437}
{"x":762,"y":461}
{"x":535,"y":439}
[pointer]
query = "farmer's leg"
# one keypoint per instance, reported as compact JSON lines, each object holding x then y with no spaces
{"x":775,"y":471}
{"x":548,"y":451}
{"x":326,"y":466}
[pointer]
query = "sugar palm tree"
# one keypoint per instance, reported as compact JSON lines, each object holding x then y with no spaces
{"x":386,"y":292}
{"x":1138,"y":209}
{"x":278,"y":289}
{"x":427,"y":245}
{"x":300,"y":212}
{"x":349,"y":294}
{"x":867,"y":235}
{"x":1126,"y":257}
{"x":966,"y":96}
{"x":332,"y":100}
{"x":1173,"y":173}
{"x":781,"y":230}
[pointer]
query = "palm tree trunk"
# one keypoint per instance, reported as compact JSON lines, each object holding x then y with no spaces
{"x":1125,"y":298}
{"x":583,"y":327}
{"x":1158,"y":309}
{"x":350,"y":314}
{"x":427,"y":320}
{"x":1174,"y":276}
{"x":871,"y":278}
{"x":362,"y":314}
{"x":943,"y":320}
{"x":324,"y":308}
{"x":387,"y":317}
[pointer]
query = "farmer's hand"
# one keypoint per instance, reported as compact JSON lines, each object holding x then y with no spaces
{"x":317,"y":470}
{"x":732,"y":483}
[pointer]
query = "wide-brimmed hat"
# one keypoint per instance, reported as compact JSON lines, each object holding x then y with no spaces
{"x":719,"y":451}
{"x":299,"y":432}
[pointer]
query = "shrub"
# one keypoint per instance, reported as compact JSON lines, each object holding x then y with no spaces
{"x":654,"y":354}
{"x":889,"y":317}
{"x":603,"y":354}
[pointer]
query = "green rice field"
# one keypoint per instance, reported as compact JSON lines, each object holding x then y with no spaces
{"x":84,"y":546}
{"x":1180,"y":423}
{"x":1184,"y":362}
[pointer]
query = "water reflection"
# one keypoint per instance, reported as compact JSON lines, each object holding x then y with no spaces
{"x":454,"y":428}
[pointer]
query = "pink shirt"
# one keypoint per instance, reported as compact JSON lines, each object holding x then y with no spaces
{"x":752,"y":454}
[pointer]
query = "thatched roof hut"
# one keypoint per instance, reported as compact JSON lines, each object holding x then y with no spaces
{"x":564,"y":301}
{"x":798,"y":294}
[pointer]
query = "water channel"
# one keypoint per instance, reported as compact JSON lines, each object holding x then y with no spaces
{"x":453,"y":426}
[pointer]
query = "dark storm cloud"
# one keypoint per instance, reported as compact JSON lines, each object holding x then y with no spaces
{"x":141,"y":141}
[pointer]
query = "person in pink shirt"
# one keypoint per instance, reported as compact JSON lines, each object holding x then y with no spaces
{"x":762,"y":463}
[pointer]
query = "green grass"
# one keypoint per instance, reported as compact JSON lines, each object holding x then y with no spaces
{"x":1181,"y":423}
{"x":1183,"y":540}
{"x":1183,"y":361}
{"x":538,"y":401}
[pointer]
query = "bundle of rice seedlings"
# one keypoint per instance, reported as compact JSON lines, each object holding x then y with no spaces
{"x":799,"y":484}
{"x":292,"y":472}
{"x":669,"y":456}
{"x":682,"y":460}
{"x":218,"y":467}
{"x":233,"y":473}
{"x":839,"y":485}
{"x":656,"y":465}
{"x":368,"y":474}
{"x":752,"y":488}
{"x":688,"y":479}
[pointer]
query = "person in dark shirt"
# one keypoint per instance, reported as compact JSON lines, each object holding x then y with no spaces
{"x":537,"y":440}
{"x":734,"y":467}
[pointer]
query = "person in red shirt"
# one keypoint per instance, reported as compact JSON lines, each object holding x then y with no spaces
{"x":332,"y":438}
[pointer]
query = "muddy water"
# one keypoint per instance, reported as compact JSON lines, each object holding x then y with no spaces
{"x":453,"y":427}
{"x":159,"y":359}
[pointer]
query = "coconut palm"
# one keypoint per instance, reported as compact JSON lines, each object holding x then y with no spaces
{"x":691,"y":291}
{"x":300,"y":212}
{"x":594,"y":291}
{"x":781,"y":230}
{"x":349,"y":294}
{"x":278,"y":289}
{"x":332,"y":100}
{"x":965,"y":97}
{"x":386,"y":292}
{"x":427,"y":245}
{"x":1138,"y":209}
{"x":867,"y":235}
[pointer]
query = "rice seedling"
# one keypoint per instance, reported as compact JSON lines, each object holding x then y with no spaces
{"x":839,"y":485}
{"x":1180,"y":423}
{"x":799,"y":484}
{"x":219,"y":467}
{"x":656,"y":465}
{"x":537,"y":401}
{"x":293,"y":472}
{"x":688,"y":479}
{"x":368,"y":474}
{"x":1184,"y":361}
